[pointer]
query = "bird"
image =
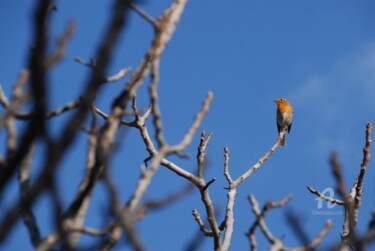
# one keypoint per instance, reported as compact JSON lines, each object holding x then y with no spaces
{"x":284,"y":117}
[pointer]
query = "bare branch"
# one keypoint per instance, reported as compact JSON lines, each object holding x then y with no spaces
{"x":313,"y":244}
{"x":337,"y":172}
{"x":155,"y":102}
{"x":277,"y":243}
{"x":359,"y":183}
{"x":85,"y":63}
{"x":208,"y":184}
{"x":60,"y":51}
{"x":153,"y":204}
{"x":28,"y":216}
{"x":260,"y":215}
{"x":260,"y":161}
{"x":69,"y":106}
{"x":120,"y":74}
{"x":18,"y":96}
{"x":201,"y":152}
{"x":319,"y":194}
{"x":92,"y":231}
{"x":144,"y":15}
{"x":106,"y":116}
{"x":198,"y":219}
{"x":348,"y":225}
{"x":49,"y":241}
{"x":255,"y":207}
{"x":226,"y":164}
{"x":197,"y":121}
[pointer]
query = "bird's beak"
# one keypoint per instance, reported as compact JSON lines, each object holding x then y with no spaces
{"x":275,"y":101}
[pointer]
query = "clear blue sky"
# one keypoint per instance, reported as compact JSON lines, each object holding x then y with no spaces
{"x":320,"y":55}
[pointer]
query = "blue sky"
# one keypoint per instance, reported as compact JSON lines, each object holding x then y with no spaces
{"x":320,"y":55}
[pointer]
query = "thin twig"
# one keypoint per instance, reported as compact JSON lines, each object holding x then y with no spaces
{"x":155,"y":102}
{"x":208,"y":184}
{"x":159,"y":204}
{"x":314,"y":243}
{"x":144,"y":15}
{"x":58,"y":54}
{"x":196,"y":124}
{"x":348,"y":224}
{"x":85,"y":63}
{"x":198,"y":219}
{"x":255,"y":207}
{"x":94,"y":232}
{"x":201,"y":152}
{"x":319,"y":194}
{"x":260,"y":161}
{"x":119,"y":75}
{"x":226,"y":164}
{"x":28,"y":215}
{"x":269,"y":205}
{"x":337,"y":173}
{"x":365,"y":161}
{"x":106,"y":116}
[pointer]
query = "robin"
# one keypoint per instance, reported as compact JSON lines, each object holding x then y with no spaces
{"x":284,"y":116}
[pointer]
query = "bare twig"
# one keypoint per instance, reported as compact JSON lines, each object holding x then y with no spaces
{"x":85,"y":63}
{"x":58,"y":54}
{"x":155,"y":103}
{"x":75,"y":214}
{"x":226,"y":164}
{"x":269,"y":205}
{"x":208,"y":184}
{"x":69,"y":106}
{"x":28,"y":216}
{"x":196,"y":124}
{"x":106,"y":116}
{"x":359,"y":183}
{"x":158,"y":204}
{"x":319,"y":194}
{"x":201,"y":152}
{"x":276,"y":244}
{"x":337,"y":173}
{"x":260,"y":161}
{"x":314,"y":243}
{"x":255,"y":207}
{"x":18,"y":98}
{"x":348,"y":224}
{"x":295,"y":224}
{"x":94,"y":232}
{"x":198,"y":219}
{"x":144,"y":15}
{"x":120,"y":74}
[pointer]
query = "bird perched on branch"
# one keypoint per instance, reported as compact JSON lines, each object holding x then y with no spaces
{"x":284,"y":117}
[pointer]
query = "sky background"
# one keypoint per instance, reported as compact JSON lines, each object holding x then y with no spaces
{"x":319,"y":55}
